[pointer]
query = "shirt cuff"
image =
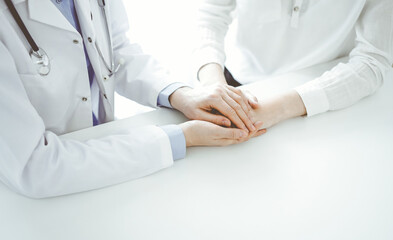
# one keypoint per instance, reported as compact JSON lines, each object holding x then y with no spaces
{"x":314,"y":98}
{"x":206,"y":56}
{"x":163,"y":96}
{"x":177,"y":140}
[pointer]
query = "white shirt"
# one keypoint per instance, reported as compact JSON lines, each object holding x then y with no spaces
{"x":272,"y":37}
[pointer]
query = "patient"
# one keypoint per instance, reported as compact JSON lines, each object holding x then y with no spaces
{"x":275,"y":37}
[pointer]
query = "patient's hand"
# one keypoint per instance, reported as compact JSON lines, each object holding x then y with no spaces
{"x":273,"y":110}
{"x":201,"y":133}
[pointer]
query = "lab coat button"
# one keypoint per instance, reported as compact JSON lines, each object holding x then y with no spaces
{"x":75,"y":41}
{"x":84,"y":99}
{"x":295,"y":9}
{"x":106,"y":78}
{"x":89,"y":39}
{"x":105,"y":96}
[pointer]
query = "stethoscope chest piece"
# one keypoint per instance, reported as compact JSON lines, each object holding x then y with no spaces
{"x":41,"y":61}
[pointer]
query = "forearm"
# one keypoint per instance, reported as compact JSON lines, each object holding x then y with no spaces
{"x":292,"y":105}
{"x":366,"y":70}
{"x":279,"y":108}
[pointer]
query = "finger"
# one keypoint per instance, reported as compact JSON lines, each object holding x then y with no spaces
{"x":243,"y":116}
{"x":225,"y":109}
{"x":240,"y":100}
{"x":253,"y":103}
{"x":258,"y":125}
{"x":226,"y":142}
{"x":231,"y":134}
{"x":252,"y":100}
{"x":214,"y":118}
{"x":260,"y":132}
{"x":240,"y":93}
{"x":240,"y":113}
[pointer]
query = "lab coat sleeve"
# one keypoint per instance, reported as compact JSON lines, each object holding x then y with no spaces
{"x":213,"y":20}
{"x":37,"y":163}
{"x":367,"y":68}
{"x":142,"y":77}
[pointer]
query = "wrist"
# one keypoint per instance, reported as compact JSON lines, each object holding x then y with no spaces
{"x":186,"y":128}
{"x":210,"y":74}
{"x":290,"y":105}
{"x":279,"y":108}
{"x":294,"y":106}
{"x":176,"y":99}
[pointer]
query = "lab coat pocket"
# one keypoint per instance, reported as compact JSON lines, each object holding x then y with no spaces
{"x":260,"y":11}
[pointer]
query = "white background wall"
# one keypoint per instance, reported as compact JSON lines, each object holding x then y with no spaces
{"x":164,"y":29}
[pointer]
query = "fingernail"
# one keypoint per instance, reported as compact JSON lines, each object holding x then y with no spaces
{"x":224,"y":122}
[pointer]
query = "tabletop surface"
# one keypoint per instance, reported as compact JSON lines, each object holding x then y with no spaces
{"x":325,"y":177}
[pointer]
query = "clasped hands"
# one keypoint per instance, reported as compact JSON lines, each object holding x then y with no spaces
{"x":221,"y":115}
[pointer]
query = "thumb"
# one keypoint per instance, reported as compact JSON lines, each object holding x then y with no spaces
{"x":252,"y":100}
{"x":253,"y":103}
{"x":233,"y":133}
{"x":214,"y":118}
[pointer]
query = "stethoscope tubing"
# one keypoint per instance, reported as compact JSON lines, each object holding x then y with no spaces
{"x":22,"y":25}
{"x":111,"y":65}
{"x":40,"y":54}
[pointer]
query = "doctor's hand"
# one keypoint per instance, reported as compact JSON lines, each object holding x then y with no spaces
{"x":213,"y":74}
{"x":201,"y":133}
{"x":220,"y":104}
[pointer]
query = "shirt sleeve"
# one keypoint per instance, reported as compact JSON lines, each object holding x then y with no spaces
{"x":163,"y":96}
{"x":214,"y":18}
{"x":366,"y":69}
{"x":177,"y":140}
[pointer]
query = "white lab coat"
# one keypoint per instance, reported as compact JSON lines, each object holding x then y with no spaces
{"x":34,"y":109}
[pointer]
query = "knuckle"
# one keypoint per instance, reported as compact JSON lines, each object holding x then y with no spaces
{"x":233,"y":135}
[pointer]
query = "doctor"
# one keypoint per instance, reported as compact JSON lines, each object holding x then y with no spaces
{"x":60,"y":65}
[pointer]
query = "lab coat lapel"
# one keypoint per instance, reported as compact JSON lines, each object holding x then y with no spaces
{"x":84,"y":11}
{"x":45,"y":12}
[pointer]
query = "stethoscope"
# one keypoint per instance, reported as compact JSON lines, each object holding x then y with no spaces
{"x":41,"y":59}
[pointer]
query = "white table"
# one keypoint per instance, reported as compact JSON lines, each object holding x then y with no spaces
{"x":325,"y":177}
